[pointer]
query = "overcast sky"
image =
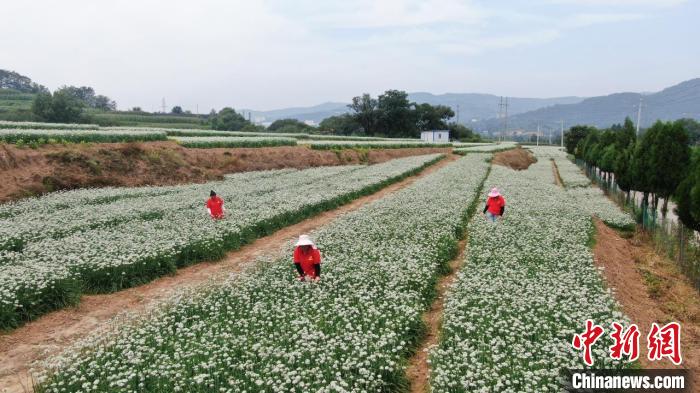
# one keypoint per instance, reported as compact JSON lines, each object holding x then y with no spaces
{"x":274,"y":53}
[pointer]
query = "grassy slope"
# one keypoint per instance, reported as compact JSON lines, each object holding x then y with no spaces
{"x":16,"y":106}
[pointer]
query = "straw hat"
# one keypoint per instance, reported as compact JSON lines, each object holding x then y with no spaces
{"x":305,"y":240}
{"x":494,"y":193}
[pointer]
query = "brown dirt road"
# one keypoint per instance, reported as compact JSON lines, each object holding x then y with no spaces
{"x":650,"y":289}
{"x":52,"y":333}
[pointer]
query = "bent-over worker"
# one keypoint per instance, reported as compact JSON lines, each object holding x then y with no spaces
{"x":495,"y":205}
{"x":307,"y":258}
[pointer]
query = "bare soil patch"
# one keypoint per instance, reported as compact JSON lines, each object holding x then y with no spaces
{"x":650,"y":289}
{"x":28,"y":172}
{"x":518,"y":158}
{"x":557,"y":176}
{"x":418,"y":371}
{"x":54,"y":332}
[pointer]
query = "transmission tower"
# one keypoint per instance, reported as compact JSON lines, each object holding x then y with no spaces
{"x":163,"y":105}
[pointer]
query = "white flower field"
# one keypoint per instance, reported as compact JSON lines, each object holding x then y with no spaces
{"x":265,"y":331}
{"x":527,"y":285}
{"x":105,"y":240}
{"x":26,"y":135}
{"x":484,"y":148}
{"x":208,"y":142}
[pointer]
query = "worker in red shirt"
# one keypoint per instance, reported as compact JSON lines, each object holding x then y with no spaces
{"x":495,"y":205}
{"x":307,"y":259}
{"x":215,"y":206}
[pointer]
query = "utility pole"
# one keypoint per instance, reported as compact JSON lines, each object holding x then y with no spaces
{"x":550,"y":135}
{"x":639,"y":114}
{"x":562,"y":133}
{"x":538,"y":134}
{"x":197,"y":110}
{"x":505,"y":127}
{"x":163,"y":104}
{"x":500,"y":114}
{"x":457,"y":113}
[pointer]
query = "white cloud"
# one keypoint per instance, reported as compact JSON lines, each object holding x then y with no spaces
{"x":371,"y":14}
{"x":646,"y":3}
{"x":584,"y":20}
{"x":272,"y":53}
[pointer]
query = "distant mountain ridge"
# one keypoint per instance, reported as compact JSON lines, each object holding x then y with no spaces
{"x":675,"y":102}
{"x":480,"y":111}
{"x":472,"y":106}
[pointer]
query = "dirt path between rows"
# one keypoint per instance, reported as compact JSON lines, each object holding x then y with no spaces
{"x":557,"y":176}
{"x":418,"y":370}
{"x":650,"y":289}
{"x":54,"y":332}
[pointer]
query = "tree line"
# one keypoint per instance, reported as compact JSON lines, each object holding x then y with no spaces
{"x":68,"y":103}
{"x":660,"y":162}
{"x":389,"y":115}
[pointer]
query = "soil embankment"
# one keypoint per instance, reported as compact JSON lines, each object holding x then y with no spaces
{"x":650,"y":288}
{"x":518,"y":158}
{"x":28,"y":172}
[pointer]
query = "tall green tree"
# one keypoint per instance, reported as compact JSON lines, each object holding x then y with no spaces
{"x":341,"y":125}
{"x":670,"y":158}
{"x":574,"y":136}
{"x":87,"y":96}
{"x":288,"y":124}
{"x":429,"y":117}
{"x":396,"y":117}
{"x":228,"y":120}
{"x":365,"y":112}
{"x":692,"y":127}
{"x":463,"y":133}
{"x":59,"y":107}
{"x":15,"y":81}
{"x":687,"y":195}
{"x":642,"y":167}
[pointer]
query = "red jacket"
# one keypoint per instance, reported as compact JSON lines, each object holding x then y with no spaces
{"x":307,"y":260}
{"x":496,"y":205}
{"x":216,"y":206}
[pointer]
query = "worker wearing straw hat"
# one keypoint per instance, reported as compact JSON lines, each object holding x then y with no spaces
{"x":495,"y":205}
{"x":307,"y":258}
